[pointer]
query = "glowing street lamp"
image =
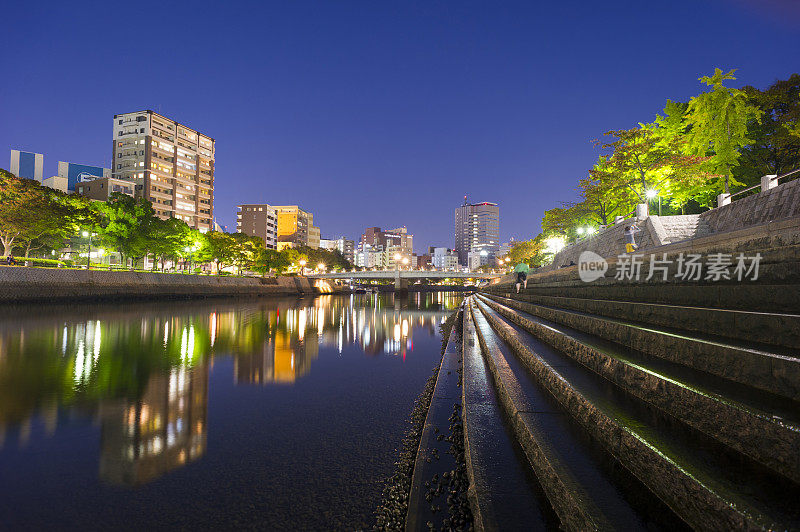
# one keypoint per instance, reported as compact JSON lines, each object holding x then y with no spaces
{"x":650,"y":194}
{"x":87,"y":234}
{"x":321,"y":266}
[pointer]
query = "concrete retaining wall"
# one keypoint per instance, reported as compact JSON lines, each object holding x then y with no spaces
{"x":44,"y":284}
{"x":771,"y":205}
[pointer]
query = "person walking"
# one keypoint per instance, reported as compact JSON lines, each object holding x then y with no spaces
{"x":630,"y":240}
{"x":522,"y":270}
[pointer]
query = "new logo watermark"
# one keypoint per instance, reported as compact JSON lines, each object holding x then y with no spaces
{"x":591,"y":266}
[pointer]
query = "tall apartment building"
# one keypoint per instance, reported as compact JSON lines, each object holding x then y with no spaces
{"x":171,"y":164}
{"x":258,"y":220}
{"x":400,"y":238}
{"x":27,"y":164}
{"x":296,"y":227}
{"x":477,"y":228}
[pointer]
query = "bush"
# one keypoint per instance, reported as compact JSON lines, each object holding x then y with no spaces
{"x":41,"y":263}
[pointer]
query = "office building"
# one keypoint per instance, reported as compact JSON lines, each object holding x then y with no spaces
{"x":477,"y":228}
{"x":344,"y":246}
{"x":100,"y":189}
{"x":171,"y":164}
{"x":399,"y":237}
{"x":371,"y":257}
{"x":27,"y":164}
{"x":79,"y":173}
{"x":296,"y":227}
{"x":444,"y":259}
{"x":56,"y":182}
{"x":258,"y":220}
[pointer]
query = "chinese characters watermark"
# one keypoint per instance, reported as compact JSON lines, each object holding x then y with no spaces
{"x":687,"y":267}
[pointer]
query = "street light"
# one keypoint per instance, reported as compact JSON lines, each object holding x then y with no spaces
{"x":652,"y":194}
{"x":87,"y":234}
{"x":302,"y":266}
{"x":321,"y":266}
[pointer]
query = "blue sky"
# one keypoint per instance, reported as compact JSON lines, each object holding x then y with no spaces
{"x":378,"y":113}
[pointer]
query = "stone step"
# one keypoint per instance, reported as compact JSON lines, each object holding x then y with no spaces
{"x":777,"y":373}
{"x":433,"y":460}
{"x":757,"y":424}
{"x":583,"y":485}
{"x":504,"y":494}
{"x":708,"y":485}
{"x":768,"y":328}
{"x":777,"y":298}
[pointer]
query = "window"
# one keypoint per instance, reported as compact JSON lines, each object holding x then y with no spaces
{"x":119,"y":166}
{"x":120,"y":134}
{"x":141,"y":130}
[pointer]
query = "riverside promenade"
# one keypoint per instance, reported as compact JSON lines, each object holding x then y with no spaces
{"x":631,"y":395}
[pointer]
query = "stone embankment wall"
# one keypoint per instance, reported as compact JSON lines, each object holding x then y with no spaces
{"x":44,"y":284}
{"x":770,"y":205}
{"x":728,"y":223}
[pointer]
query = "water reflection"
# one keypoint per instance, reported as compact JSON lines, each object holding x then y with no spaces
{"x":142,"y":371}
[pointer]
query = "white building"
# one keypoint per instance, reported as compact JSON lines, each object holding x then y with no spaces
{"x":371,"y":257}
{"x":344,"y":246}
{"x":27,"y":165}
{"x":444,"y":259}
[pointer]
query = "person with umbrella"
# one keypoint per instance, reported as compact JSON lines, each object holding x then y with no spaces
{"x":521,"y":270}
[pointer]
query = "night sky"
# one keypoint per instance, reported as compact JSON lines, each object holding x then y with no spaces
{"x":378,"y":112}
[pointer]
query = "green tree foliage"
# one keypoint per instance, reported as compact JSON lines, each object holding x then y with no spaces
{"x":125,"y":224}
{"x":775,"y":147}
{"x":33,"y":216}
{"x":717,"y":124}
{"x":530,"y":252}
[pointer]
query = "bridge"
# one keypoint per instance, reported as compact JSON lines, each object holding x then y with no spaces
{"x":401,"y":277}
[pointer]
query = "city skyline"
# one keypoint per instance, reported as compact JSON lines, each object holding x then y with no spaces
{"x":396,"y":130}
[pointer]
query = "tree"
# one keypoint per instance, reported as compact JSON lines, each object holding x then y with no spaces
{"x":776,"y":138}
{"x":530,"y":252}
{"x":218,"y":247}
{"x":126,"y":222}
{"x":168,"y":238}
{"x":641,"y":159}
{"x":32,"y":215}
{"x":717,"y":122}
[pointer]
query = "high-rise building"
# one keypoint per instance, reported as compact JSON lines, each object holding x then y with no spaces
{"x":344,"y":246}
{"x":79,"y":173}
{"x":171,"y":164}
{"x":27,"y":164}
{"x":296,"y":227}
{"x":400,"y":237}
{"x":477,"y":229}
{"x":258,"y":220}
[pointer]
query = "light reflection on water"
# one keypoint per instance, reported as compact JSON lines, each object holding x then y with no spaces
{"x":141,"y":373}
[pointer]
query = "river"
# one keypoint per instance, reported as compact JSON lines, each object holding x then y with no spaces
{"x":266,"y":413}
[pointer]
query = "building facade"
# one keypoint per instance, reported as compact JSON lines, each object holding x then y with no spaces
{"x":296,"y":227}
{"x":344,"y":246}
{"x":27,"y":165}
{"x":477,"y":228}
{"x":444,"y":259}
{"x":101,"y":189}
{"x":171,"y":164}
{"x":400,"y":237}
{"x":258,"y":220}
{"x":78,"y":173}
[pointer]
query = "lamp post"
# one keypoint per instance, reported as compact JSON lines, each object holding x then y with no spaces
{"x":302,"y":266}
{"x":88,"y":234}
{"x":397,"y":258}
{"x":652,"y":194}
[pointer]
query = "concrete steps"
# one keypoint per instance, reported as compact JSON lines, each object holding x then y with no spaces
{"x":683,"y":227}
{"x":504,"y":494}
{"x":776,"y":371}
{"x":768,"y":328}
{"x":760,"y":425}
{"x":580,"y":480}
{"x":706,"y":448}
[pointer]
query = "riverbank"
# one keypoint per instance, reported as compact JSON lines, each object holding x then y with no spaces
{"x":18,"y":284}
